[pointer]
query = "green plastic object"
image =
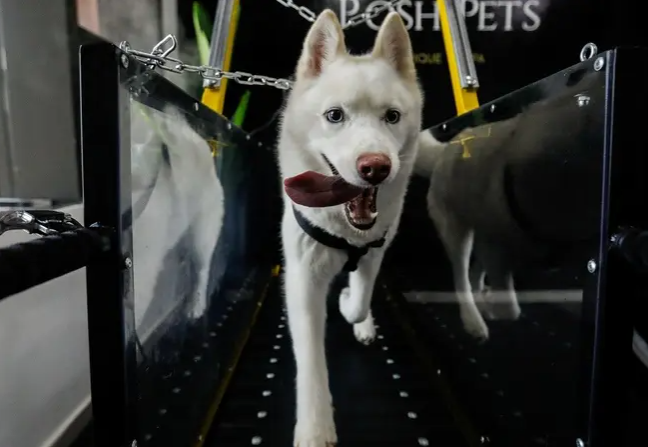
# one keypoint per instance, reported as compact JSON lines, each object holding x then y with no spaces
{"x":203,"y":28}
{"x":241,"y":109}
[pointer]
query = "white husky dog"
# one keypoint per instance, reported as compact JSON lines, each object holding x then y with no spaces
{"x":346,"y":151}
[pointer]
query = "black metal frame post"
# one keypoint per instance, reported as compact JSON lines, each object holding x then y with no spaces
{"x":619,"y":285}
{"x":105,"y":131}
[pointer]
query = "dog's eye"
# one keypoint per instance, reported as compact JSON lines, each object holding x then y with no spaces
{"x":335,"y":115}
{"x":392,"y":116}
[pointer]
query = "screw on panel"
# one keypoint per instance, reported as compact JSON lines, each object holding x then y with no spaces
{"x":591,"y":266}
{"x":583,"y":100}
{"x":599,"y":63}
{"x":128,"y":262}
{"x":580,"y":443}
{"x":124,"y":62}
{"x":256,"y":440}
{"x":423,"y":441}
{"x":492,"y":108}
{"x":484,"y":440}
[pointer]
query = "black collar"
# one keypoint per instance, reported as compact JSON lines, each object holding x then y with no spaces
{"x":354,"y":253}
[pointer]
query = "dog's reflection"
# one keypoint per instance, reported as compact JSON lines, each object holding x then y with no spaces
{"x":477,"y":299}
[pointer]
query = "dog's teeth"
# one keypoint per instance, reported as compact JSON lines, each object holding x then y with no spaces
{"x":374,"y":215}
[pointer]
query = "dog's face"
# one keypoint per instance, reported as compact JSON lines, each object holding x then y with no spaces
{"x":359,"y":116}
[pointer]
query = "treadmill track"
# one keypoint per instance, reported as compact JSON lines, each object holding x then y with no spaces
{"x":381,"y":393}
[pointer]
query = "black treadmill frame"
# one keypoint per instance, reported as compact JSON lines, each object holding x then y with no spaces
{"x":210,"y":347}
{"x":607,"y":321}
{"x":607,"y":316}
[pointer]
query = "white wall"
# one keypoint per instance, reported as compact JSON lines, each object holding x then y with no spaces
{"x":44,"y":366}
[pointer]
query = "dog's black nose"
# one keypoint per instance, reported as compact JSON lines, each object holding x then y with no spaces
{"x":374,"y":168}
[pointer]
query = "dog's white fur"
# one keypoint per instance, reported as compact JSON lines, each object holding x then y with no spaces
{"x":461,"y":241}
{"x":365,"y":86}
{"x":187,"y":197}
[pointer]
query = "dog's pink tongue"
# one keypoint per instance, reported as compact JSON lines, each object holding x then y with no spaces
{"x":317,"y":190}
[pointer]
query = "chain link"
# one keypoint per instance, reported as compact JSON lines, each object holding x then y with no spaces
{"x":356,"y":20}
{"x":160,"y":57}
{"x":302,"y":10}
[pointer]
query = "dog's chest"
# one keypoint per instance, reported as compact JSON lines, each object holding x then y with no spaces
{"x":319,"y":258}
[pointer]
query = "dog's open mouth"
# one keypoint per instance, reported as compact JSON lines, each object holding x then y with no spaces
{"x":361,"y":211}
{"x":317,"y":190}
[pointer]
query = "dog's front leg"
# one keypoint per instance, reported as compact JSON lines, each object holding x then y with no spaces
{"x":306,"y":304}
{"x":355,"y":300}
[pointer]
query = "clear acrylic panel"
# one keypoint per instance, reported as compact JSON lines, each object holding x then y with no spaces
{"x":496,"y":269}
{"x":200,"y":260}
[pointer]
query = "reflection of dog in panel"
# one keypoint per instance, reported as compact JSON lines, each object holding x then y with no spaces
{"x":347,"y":145}
{"x":464,"y":238}
{"x":186,"y":197}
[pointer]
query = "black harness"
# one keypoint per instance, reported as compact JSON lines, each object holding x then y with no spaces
{"x":354,"y":253}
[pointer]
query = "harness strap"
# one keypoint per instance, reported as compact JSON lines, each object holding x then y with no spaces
{"x":354,"y":254}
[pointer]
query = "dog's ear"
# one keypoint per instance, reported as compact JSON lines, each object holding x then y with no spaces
{"x":324,"y":41}
{"x":393,"y":43}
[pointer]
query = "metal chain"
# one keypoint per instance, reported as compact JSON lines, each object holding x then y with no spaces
{"x":160,"y":57}
{"x":353,"y":21}
{"x":303,"y":11}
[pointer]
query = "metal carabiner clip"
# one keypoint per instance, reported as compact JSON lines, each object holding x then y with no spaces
{"x":42,"y":222}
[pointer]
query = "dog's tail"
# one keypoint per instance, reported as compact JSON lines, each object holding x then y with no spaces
{"x":429,"y":151}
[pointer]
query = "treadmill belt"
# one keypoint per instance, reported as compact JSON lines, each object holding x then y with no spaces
{"x":382,"y":395}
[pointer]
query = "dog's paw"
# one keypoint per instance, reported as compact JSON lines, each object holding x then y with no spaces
{"x":475,"y":325}
{"x":505,"y":311}
{"x":315,"y":436}
{"x":350,"y":308}
{"x":365,"y":332}
{"x":483,"y":304}
{"x":502,"y":305}
{"x":198,"y":306}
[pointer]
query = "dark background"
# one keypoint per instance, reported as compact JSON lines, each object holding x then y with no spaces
{"x":269,"y":38}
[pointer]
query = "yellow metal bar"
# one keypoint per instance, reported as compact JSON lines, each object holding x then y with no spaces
{"x":214,"y":97}
{"x":465,"y":99}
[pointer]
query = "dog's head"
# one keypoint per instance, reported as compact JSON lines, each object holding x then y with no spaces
{"x":357,"y":116}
